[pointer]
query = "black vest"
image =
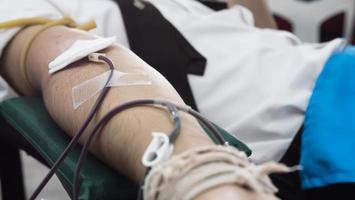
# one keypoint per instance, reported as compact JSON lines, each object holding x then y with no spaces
{"x":159,"y":44}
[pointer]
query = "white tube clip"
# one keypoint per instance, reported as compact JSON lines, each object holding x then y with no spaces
{"x":158,"y":150}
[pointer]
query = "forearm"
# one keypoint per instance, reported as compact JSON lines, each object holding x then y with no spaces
{"x":259,"y":8}
{"x":124,"y":139}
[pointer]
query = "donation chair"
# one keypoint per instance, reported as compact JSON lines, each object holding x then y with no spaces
{"x":28,"y":117}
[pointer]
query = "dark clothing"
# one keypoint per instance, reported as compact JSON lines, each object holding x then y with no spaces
{"x":159,"y":44}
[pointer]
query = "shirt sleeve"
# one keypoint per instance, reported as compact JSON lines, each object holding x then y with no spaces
{"x":16,"y":9}
{"x":105,"y":13}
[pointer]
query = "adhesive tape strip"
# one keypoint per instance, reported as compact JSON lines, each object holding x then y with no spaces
{"x":89,"y":88}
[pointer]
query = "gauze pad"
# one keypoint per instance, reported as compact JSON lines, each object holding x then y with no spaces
{"x":79,"y":50}
{"x":89,"y":88}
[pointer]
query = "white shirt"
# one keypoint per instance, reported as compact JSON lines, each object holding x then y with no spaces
{"x":257,"y":82}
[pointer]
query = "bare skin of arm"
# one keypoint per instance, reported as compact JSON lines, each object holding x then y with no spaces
{"x":259,"y":8}
{"x":125,"y":137}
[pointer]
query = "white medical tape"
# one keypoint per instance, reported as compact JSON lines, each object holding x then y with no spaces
{"x":89,"y":88}
{"x":78,"y":50}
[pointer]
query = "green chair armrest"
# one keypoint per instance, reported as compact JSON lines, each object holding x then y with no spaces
{"x":30,"y":118}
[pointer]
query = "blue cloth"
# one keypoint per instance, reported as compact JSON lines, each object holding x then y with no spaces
{"x":328,"y":140}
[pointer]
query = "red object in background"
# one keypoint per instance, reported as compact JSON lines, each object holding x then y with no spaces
{"x":330,"y":29}
{"x":283,"y":24}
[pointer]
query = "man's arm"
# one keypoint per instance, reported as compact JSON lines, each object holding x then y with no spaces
{"x":259,"y":8}
{"x":132,"y":129}
{"x":125,"y":137}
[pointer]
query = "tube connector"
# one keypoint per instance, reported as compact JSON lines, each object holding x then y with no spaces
{"x":94,"y":57}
